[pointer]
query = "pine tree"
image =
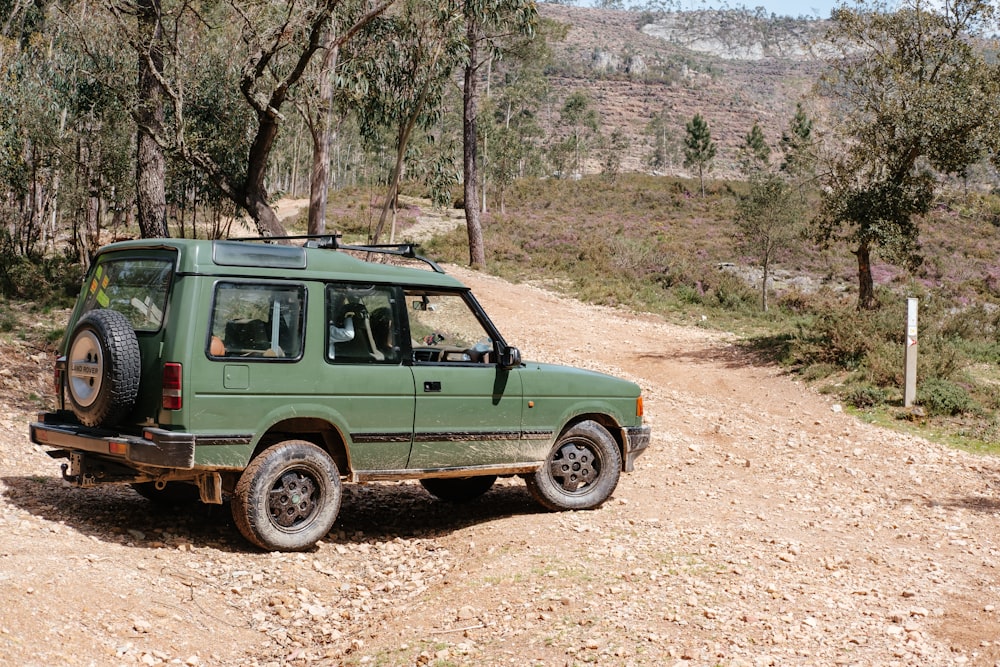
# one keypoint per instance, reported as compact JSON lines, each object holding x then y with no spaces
{"x":699,"y":149}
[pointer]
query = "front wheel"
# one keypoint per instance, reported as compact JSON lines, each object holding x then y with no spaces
{"x":288,"y":497}
{"x":581,"y":471}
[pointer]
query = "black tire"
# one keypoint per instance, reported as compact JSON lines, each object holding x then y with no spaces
{"x":581,"y":471}
{"x":458,"y":489}
{"x":288,"y":497}
{"x":173,"y":493}
{"x":103,"y":366}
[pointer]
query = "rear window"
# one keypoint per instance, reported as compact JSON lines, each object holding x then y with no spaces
{"x":136,"y":288}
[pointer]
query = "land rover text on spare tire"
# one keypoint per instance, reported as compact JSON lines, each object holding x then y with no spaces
{"x":272,"y":374}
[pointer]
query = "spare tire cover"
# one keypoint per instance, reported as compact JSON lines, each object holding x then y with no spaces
{"x":102,"y":368}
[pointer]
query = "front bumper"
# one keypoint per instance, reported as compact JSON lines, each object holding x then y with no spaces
{"x":636,"y":439}
{"x":156,"y":447}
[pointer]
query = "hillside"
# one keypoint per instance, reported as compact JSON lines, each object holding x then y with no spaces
{"x":700,"y":62}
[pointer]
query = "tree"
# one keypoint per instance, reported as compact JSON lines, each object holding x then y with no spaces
{"x":755,"y":154}
{"x":666,"y":148}
{"x":397,"y":79}
{"x":582,"y":120}
{"x":150,"y":163}
{"x":915,"y":99}
{"x":511,"y":131}
{"x":487,"y":22}
{"x":616,"y":146}
{"x":278,"y":43}
{"x":699,"y":149}
{"x":797,"y":145}
{"x":767,"y":222}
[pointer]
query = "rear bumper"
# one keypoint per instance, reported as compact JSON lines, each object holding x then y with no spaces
{"x":157,"y":447}
{"x":636,"y":439}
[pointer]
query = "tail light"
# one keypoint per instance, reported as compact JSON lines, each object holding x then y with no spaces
{"x":58,"y":373}
{"x":172,"y":398}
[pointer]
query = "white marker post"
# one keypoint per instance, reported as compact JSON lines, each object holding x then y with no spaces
{"x":910,"y":355}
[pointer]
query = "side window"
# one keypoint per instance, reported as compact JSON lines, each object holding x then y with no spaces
{"x":444,"y":329}
{"x":362,"y":326}
{"x":257,"y":320}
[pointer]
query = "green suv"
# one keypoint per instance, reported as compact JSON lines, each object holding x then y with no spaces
{"x":271,"y":373}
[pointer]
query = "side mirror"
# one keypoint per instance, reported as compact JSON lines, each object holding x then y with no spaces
{"x":510,"y":358}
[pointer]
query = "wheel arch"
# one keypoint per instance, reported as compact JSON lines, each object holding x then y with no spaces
{"x":320,"y":431}
{"x":609,"y":423}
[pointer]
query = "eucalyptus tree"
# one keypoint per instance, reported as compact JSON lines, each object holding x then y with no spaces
{"x":396,"y":77}
{"x":238,"y":63}
{"x":915,"y":96}
{"x":512,"y":135}
{"x":490,"y":26}
{"x":64,"y":138}
{"x":666,"y":147}
{"x":583,"y":121}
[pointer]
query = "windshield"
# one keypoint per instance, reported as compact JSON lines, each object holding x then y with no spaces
{"x":136,"y":288}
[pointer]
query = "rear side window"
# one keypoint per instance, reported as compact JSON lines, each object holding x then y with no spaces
{"x":257,"y":320}
{"x":362,"y":324}
{"x":136,"y":288}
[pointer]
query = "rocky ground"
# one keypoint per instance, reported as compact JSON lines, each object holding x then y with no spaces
{"x":764,"y":526}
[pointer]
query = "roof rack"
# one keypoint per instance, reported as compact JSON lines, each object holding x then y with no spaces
{"x":332,"y":242}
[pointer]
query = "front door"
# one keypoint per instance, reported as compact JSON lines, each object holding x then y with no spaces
{"x":468,"y":409}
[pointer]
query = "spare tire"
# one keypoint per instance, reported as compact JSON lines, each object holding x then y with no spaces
{"x":102,"y":368}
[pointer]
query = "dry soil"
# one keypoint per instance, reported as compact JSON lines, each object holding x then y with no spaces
{"x":764,"y":526}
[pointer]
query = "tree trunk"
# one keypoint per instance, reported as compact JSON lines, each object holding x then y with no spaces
{"x":477,"y":253}
{"x":254,"y":191}
{"x":766,"y":266}
{"x":150,"y":166}
{"x":262,"y":213}
{"x":321,"y":135}
{"x":866,"y":286}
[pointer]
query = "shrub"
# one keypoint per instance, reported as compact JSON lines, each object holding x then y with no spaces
{"x":864,"y":396}
{"x":733,"y":294}
{"x":942,"y":397}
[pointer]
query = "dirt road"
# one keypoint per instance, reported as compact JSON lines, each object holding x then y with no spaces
{"x":763,"y":527}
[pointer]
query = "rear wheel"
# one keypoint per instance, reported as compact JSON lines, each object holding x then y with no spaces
{"x":288,"y":497}
{"x":581,"y":471}
{"x":458,"y":489}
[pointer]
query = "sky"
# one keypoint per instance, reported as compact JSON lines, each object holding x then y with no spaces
{"x":816,"y":8}
{"x":793,"y":8}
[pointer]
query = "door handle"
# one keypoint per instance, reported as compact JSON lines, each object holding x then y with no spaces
{"x":432,"y":386}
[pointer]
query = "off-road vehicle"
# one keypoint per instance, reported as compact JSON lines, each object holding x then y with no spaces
{"x":268,"y":373}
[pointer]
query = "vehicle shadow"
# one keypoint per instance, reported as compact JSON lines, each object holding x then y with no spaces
{"x":977,"y":504}
{"x":375,"y":512}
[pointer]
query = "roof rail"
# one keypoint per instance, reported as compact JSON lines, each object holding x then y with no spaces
{"x":332,"y":242}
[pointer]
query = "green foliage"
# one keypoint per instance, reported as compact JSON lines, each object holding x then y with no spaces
{"x":614,"y":151}
{"x":864,"y":396}
{"x":580,"y":116}
{"x":768,"y":222}
{"x":666,"y":146}
{"x":755,"y":154}
{"x":920,"y":101}
{"x":699,"y":149}
{"x":797,"y":145}
{"x":941,"y":397}
{"x":48,"y":280}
